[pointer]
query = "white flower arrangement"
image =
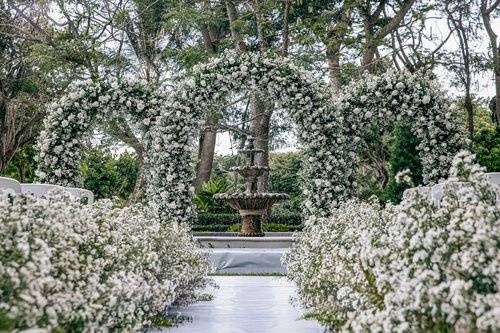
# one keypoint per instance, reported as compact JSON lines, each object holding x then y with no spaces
{"x":92,"y":268}
{"x":87,"y":103}
{"x":411,"y":98}
{"x":329,"y":131}
{"x":414,"y":267}
{"x":288,"y":86}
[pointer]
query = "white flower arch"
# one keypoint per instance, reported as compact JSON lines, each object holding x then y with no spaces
{"x":413,"y":99}
{"x":288,"y":86}
{"x":70,"y":117}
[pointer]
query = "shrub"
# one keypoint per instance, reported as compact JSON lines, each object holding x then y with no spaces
{"x":221,"y":222}
{"x":414,"y":267}
{"x":487,"y":148}
{"x":64,"y":266}
{"x":107,"y":176}
{"x":404,"y":156}
{"x":218,"y":219}
{"x":268,"y":227}
{"x":205,"y":201}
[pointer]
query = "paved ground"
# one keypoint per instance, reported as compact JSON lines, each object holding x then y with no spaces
{"x":256,"y":304}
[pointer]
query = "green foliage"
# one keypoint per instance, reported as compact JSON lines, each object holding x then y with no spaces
{"x":23,"y":165}
{"x":109,"y":177}
{"x":222,"y":222}
{"x":218,"y":219}
{"x":7,"y":324}
{"x":404,"y":155}
{"x":487,"y":149}
{"x":205,"y":201}
{"x":209,"y":228}
{"x":268,"y":227}
{"x":285,"y":177}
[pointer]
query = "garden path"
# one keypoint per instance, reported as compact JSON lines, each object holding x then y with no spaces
{"x":243,"y":304}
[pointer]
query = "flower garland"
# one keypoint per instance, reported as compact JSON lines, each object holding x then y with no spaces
{"x":71,"y":117}
{"x":288,"y":86}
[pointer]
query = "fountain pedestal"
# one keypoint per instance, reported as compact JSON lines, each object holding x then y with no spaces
{"x":251,"y":223}
{"x":251,"y":204}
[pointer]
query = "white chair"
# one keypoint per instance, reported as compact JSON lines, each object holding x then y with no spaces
{"x":81,"y":193}
{"x":438,"y":191}
{"x":494,"y":178}
{"x":39,"y":190}
{"x":10,"y":185}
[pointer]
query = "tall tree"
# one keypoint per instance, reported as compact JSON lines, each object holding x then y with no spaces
{"x":488,"y":9}
{"x":24,"y":88}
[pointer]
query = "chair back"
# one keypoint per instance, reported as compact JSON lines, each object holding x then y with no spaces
{"x":39,"y":190}
{"x":10,"y":185}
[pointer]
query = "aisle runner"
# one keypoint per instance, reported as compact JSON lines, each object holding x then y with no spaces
{"x":247,"y":304}
{"x":247,"y":261}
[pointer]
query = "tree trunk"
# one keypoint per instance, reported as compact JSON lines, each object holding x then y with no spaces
{"x":333,"y":57}
{"x":470,"y":113}
{"x":495,"y":49}
{"x":368,"y":56}
{"x":260,"y":114}
{"x":206,"y":154}
{"x":496,"y":110}
{"x":140,"y":183}
{"x":232,"y":14}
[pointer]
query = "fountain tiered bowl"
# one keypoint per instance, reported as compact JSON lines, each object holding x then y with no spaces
{"x":251,"y":204}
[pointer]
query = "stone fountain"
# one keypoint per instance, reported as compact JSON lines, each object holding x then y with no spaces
{"x":251,"y":203}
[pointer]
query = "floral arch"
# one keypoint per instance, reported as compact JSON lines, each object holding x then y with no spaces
{"x":70,"y":117}
{"x":277,"y":79}
{"x":329,"y":132}
{"x":413,"y":99}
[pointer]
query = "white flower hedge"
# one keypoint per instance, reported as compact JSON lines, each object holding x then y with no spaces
{"x":91,"y":268}
{"x":413,"y":267}
{"x":70,"y":118}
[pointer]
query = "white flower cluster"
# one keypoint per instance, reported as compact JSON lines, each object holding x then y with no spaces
{"x":380,"y":102}
{"x":206,"y":89}
{"x":88,"y":103}
{"x":414,"y":267}
{"x":92,"y":268}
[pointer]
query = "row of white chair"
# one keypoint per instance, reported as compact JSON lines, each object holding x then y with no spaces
{"x":12,"y":186}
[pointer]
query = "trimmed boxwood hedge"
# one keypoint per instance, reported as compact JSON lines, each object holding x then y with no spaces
{"x":221,"y":222}
{"x":228,"y":219}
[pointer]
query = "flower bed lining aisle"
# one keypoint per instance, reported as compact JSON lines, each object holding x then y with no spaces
{"x":92,"y":268}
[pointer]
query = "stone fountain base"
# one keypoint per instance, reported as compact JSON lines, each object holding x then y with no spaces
{"x":251,"y":224}
{"x":232,"y":240}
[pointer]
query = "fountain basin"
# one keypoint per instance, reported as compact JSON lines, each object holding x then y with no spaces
{"x":232,"y":240}
{"x":251,"y":207}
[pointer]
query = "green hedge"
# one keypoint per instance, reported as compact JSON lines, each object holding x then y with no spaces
{"x":268,"y":227}
{"x":206,"y":219}
{"x":210,"y":227}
